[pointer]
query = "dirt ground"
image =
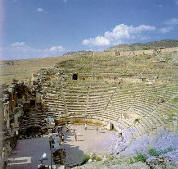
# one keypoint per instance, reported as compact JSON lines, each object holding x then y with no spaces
{"x":88,"y":141}
{"x":28,"y":152}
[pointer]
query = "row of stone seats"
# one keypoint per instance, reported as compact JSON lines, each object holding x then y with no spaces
{"x":75,"y":99}
{"x":91,"y":100}
{"x":146,"y":110}
{"x":158,"y":116}
{"x":53,"y":102}
{"x":97,"y":98}
{"x":109,"y":115}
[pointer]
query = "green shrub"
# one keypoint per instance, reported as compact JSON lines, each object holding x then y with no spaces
{"x":119,"y":162}
{"x":111,"y":158}
{"x":169,"y":149}
{"x":153,"y":152}
{"x":167,"y":59}
{"x":86,"y":157}
{"x":175,"y":99}
{"x":140,"y":157}
{"x":98,"y":159}
{"x":170,"y":117}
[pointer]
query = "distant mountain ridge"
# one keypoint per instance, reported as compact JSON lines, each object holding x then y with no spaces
{"x":145,"y":46}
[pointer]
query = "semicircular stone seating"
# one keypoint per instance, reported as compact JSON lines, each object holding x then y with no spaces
{"x":108,"y":90}
{"x":136,"y":108}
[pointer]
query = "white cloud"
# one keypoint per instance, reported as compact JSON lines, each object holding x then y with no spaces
{"x":18,"y":44}
{"x":166,"y":29}
{"x":39,"y":9}
{"x":98,"y":41}
{"x":56,"y":49}
{"x":20,"y":50}
{"x":119,"y":34}
{"x":173,"y":21}
{"x":170,"y":25}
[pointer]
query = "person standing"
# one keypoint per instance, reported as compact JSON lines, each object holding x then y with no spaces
{"x":50,"y":141}
{"x":62,"y":138}
{"x":85,"y":126}
{"x":58,"y":129}
{"x":75,"y":135}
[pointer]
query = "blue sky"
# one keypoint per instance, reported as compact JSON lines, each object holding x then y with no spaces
{"x":45,"y":28}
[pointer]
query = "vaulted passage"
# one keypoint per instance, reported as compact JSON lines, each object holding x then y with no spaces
{"x":75,"y":76}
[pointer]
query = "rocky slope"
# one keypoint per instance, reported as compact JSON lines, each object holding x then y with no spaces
{"x":145,"y":46}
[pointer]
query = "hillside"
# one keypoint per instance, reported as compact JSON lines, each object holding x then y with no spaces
{"x":145,"y":46}
{"x":23,"y":69}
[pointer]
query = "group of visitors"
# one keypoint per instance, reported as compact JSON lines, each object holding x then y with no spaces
{"x":62,"y":130}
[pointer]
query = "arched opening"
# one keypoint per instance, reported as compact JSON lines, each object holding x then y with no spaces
{"x":75,"y":76}
{"x":33,"y":130}
{"x":32,"y":103}
{"x":112,"y":126}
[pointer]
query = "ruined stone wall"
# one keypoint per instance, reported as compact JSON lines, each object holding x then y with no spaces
{"x":137,"y":52}
{"x":1,"y":135}
{"x":123,"y":52}
{"x":18,"y":100}
{"x":12,"y":110}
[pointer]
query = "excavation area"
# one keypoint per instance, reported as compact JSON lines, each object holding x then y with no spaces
{"x":78,"y":141}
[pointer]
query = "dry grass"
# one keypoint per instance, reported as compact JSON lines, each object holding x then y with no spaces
{"x":23,"y":69}
{"x":145,"y":66}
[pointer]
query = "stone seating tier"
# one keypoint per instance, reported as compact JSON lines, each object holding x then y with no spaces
{"x":103,"y":101}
